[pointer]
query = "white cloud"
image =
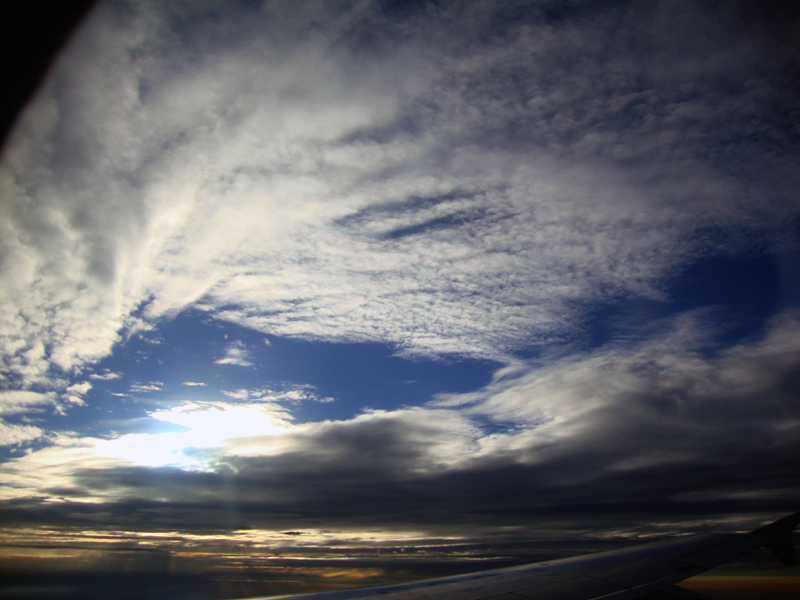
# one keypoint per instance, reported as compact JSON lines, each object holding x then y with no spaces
{"x":448,"y":191}
{"x":685,"y":394}
{"x":22,"y":404}
{"x":28,"y":405}
{"x":194,"y":383}
{"x":106,"y":376}
{"x":13,"y":402}
{"x":79,"y":388}
{"x":288,"y":393}
{"x":470,"y":198}
{"x":52,"y":466}
{"x":143,"y":388}
{"x":666,"y":402}
{"x":236,"y":354}
{"x":75,"y":392}
{"x":207,"y":426}
{"x":11,"y":434}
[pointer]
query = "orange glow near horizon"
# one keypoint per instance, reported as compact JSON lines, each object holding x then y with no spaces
{"x":746,"y":587}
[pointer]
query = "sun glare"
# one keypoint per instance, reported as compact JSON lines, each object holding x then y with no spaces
{"x":207,"y":426}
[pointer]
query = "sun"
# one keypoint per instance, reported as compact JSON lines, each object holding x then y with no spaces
{"x":247,"y":428}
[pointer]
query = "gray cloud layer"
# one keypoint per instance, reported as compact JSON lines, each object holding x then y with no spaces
{"x":671,"y":430}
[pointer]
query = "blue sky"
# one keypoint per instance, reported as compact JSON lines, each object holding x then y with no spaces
{"x":184,"y":361}
{"x":387,"y":273}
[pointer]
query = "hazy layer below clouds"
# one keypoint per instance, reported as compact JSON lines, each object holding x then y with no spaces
{"x":451,"y":181}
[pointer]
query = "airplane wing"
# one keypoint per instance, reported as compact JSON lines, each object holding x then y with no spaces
{"x":648,"y":571}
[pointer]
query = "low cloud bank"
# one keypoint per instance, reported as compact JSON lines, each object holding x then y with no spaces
{"x":670,"y":430}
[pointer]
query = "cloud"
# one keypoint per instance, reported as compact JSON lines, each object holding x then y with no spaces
{"x":28,"y":407}
{"x":669,"y":429}
{"x":482,"y":188}
{"x":292,"y":393}
{"x":236,"y":354}
{"x":194,"y":383}
{"x":75,"y":392}
{"x":12,"y":434}
{"x":21,"y":402}
{"x":18,"y":403}
{"x":144,"y":388}
{"x":106,"y":376}
{"x":481,"y":193}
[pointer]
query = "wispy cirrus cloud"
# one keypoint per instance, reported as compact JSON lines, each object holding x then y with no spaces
{"x":544,"y":189}
{"x":474,"y":197}
{"x":23,"y":401}
{"x":12,"y":434}
{"x":292,"y":393}
{"x":22,"y":411}
{"x":105,"y":376}
{"x":144,"y":388}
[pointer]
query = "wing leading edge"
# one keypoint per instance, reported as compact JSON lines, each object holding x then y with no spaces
{"x":646,"y":571}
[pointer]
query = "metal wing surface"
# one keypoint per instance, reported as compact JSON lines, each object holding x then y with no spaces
{"x":645,"y":571}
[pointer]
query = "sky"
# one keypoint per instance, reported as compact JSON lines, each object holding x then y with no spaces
{"x":324,"y":279}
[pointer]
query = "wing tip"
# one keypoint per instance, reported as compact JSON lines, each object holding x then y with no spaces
{"x":783,"y":525}
{"x":779,"y":537}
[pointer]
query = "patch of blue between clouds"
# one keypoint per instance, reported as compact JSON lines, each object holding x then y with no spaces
{"x":185,"y":348}
{"x":743,"y":291}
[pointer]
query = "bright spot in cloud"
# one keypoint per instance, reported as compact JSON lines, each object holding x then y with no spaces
{"x":221,"y":421}
{"x":208,"y":425}
{"x":150,"y":450}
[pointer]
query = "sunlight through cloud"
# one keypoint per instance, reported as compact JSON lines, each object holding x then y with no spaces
{"x":206,"y":425}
